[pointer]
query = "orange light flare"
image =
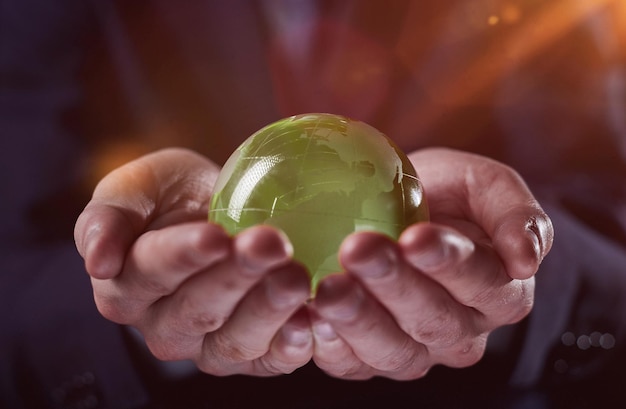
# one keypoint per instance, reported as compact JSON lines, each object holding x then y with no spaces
{"x":527,"y":35}
{"x":112,"y":155}
{"x":119,"y":149}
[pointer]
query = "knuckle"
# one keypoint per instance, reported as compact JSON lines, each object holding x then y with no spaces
{"x":398,"y":359}
{"x":194,"y":317}
{"x":441,"y":329}
{"x":469,"y":353}
{"x":112,"y":309}
{"x":152,"y":284}
{"x":203,"y":322}
{"x":412,"y":373}
{"x":232,"y":350}
{"x":348,"y":372}
{"x":271,"y":366}
{"x":404,"y":363}
{"x":168,"y":345}
{"x":211,"y":362}
{"x":344,"y":369}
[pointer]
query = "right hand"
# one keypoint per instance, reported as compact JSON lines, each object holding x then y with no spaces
{"x":232,"y":305}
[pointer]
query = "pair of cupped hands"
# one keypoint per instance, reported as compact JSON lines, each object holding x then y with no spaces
{"x":240,"y":305}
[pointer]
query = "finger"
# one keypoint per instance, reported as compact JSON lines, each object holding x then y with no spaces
{"x":421,"y":307}
{"x":120,"y":209}
{"x":249,"y":332}
{"x":291,"y":349}
{"x":523,"y":238}
{"x":492,"y":196}
{"x":369,"y":329}
{"x":205,"y":301}
{"x":161,"y":260}
{"x":520,"y":231}
{"x":334,"y":356}
{"x":166,"y":187}
{"x":157,"y":264}
{"x":471,"y":273}
{"x":103,"y":235}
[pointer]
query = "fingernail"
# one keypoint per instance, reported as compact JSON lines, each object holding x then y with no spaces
{"x":534,"y":239}
{"x":283,"y":298}
{"x":296,"y":336}
{"x":324,"y":331}
{"x":369,"y":255}
{"x":379,"y":265}
{"x":339,"y":298}
{"x":262,"y":248}
{"x":450,"y":248}
{"x":432,"y":257}
{"x":90,"y":241}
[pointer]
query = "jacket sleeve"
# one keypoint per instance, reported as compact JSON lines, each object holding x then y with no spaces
{"x":55,"y":349}
{"x":576,"y":332}
{"x":566,"y":134}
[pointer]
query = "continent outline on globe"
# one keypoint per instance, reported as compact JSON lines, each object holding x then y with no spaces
{"x":318,"y":177}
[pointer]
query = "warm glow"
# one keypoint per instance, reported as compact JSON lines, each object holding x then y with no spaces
{"x":527,"y":36}
{"x":511,"y":14}
{"x":114,"y":155}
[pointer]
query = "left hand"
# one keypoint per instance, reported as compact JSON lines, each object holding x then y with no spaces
{"x":434,"y":296}
{"x":231,"y":304}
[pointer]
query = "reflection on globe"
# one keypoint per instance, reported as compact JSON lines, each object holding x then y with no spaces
{"x":318,"y":178}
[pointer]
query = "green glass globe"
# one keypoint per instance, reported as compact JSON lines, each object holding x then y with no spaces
{"x":318,"y":178}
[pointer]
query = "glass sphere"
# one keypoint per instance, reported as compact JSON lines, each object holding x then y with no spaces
{"x":318,"y":178}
